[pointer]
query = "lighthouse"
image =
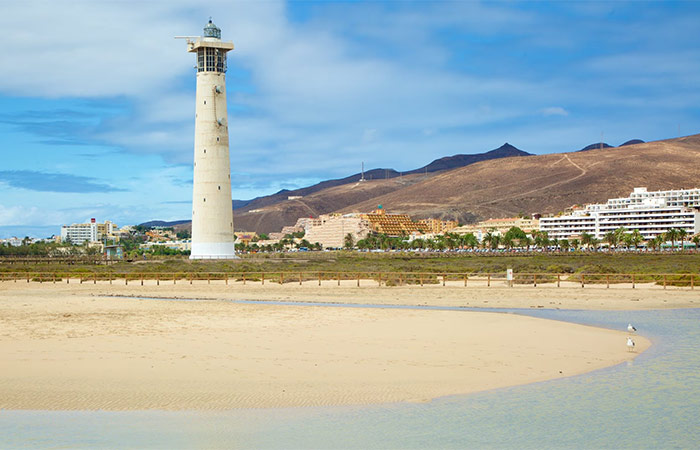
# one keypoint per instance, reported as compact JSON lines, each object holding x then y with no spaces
{"x":212,"y":209}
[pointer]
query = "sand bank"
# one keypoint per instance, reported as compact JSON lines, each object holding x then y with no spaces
{"x":69,"y":347}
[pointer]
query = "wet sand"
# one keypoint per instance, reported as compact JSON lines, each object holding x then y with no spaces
{"x":85,"y":347}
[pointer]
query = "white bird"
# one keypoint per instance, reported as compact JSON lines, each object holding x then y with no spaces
{"x":630,"y":328}
{"x":630,"y":344}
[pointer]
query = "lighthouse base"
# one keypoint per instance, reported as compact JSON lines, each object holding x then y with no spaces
{"x":213,"y":250}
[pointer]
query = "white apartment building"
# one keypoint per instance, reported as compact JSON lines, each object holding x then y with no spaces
{"x":90,"y":232}
{"x":652,"y":213}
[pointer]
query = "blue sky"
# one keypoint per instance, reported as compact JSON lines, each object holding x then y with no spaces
{"x":97,"y":98}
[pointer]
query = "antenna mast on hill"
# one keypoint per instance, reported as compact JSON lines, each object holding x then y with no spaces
{"x":362,"y":178}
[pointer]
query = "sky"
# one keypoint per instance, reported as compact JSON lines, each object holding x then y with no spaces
{"x":97,"y":98}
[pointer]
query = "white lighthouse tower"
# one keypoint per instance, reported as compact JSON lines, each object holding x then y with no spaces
{"x":212,"y":210}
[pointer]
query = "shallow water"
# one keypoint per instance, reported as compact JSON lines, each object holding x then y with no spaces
{"x":653,"y":402}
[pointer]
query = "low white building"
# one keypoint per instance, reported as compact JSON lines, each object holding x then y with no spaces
{"x":652,"y":213}
{"x":182,"y":245}
{"x":14,"y":241}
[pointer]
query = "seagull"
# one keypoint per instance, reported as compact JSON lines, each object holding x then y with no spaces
{"x":630,"y":328}
{"x":630,"y":344}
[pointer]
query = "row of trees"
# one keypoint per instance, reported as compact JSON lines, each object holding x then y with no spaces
{"x":513,"y":238}
{"x":517,"y":238}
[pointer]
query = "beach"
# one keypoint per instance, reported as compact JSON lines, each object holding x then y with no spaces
{"x":110,"y":347}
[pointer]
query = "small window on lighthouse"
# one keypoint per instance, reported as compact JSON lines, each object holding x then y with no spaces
{"x":219,"y":187}
{"x":205,"y":199}
{"x":205,"y":150}
{"x":205,"y":102}
{"x":217,"y":139}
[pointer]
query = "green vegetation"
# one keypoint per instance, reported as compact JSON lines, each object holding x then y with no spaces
{"x":348,"y":261}
{"x":383,"y":254}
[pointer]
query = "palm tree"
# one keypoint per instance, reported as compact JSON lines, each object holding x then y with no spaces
{"x":507,"y":240}
{"x":611,"y":238}
{"x":349,"y":241}
{"x":627,"y":239}
{"x":575,"y":243}
{"x":487,"y":239}
{"x":469,"y":240}
{"x":620,"y":232}
{"x":564,"y":244}
{"x":495,"y":241}
{"x":682,"y":233}
{"x":696,"y":241}
{"x":541,"y":239}
{"x":586,"y":239}
{"x":636,"y":238}
{"x":418,"y":243}
{"x":671,"y":235}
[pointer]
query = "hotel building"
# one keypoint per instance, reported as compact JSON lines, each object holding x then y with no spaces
{"x":91,"y":232}
{"x":330,"y":230}
{"x":652,"y":213}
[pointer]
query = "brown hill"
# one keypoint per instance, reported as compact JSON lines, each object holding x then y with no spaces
{"x":547,"y":183}
{"x":272,"y":212}
{"x":446,"y":163}
{"x":273,"y":217}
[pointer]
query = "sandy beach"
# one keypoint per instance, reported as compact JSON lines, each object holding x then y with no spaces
{"x":99,"y":347}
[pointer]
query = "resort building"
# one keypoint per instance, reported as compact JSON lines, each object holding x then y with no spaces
{"x":687,"y":198}
{"x":90,"y":232}
{"x":245,"y":237}
{"x":437,"y":226}
{"x":652,"y":213}
{"x":330,"y":230}
{"x":392,"y":224}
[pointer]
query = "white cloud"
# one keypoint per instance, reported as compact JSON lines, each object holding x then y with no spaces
{"x":18,"y":215}
{"x":350,"y":82}
{"x":555,"y":111}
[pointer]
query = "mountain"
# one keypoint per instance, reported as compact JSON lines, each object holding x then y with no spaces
{"x":162,"y":223}
{"x":597,"y":145}
{"x":271,"y":213}
{"x":632,"y":142}
{"x":452,"y":162}
{"x":446,"y":163}
{"x":604,"y":145}
{"x":546,"y":183}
